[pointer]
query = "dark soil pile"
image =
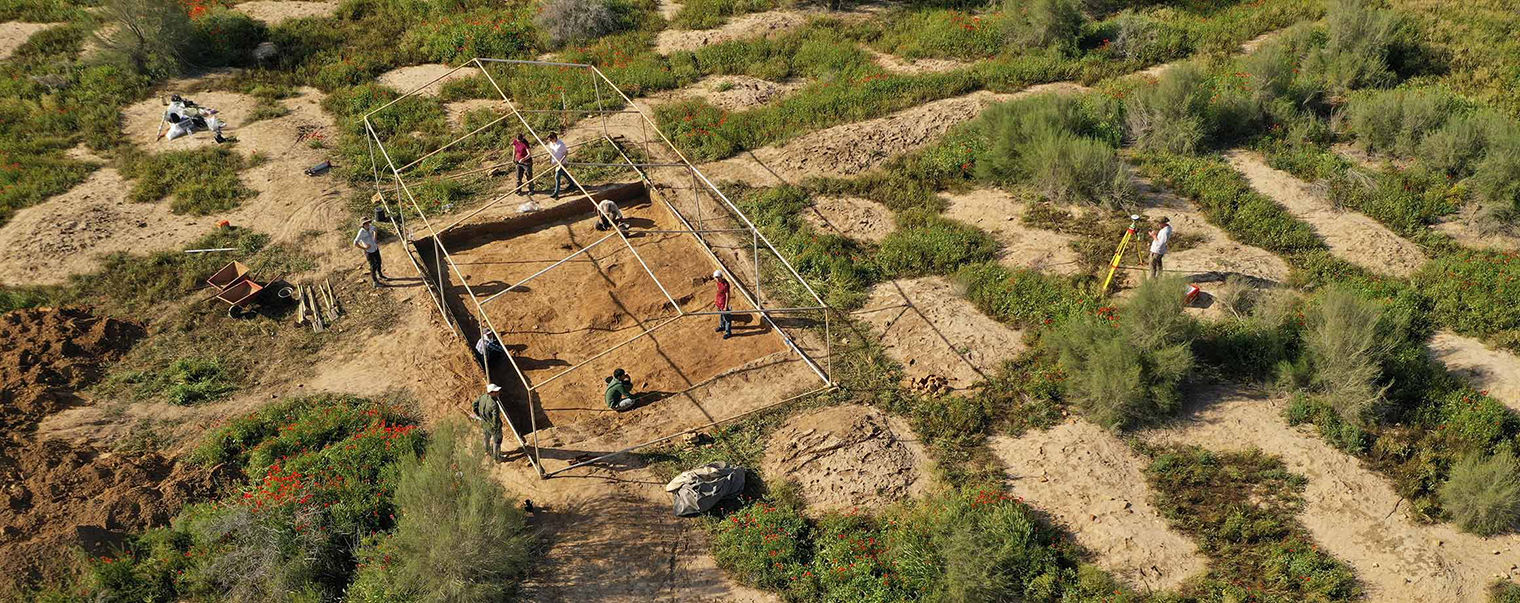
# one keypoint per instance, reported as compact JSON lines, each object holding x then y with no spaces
{"x":55,"y":494}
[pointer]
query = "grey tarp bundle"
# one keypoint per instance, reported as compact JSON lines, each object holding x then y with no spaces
{"x":696,"y":491}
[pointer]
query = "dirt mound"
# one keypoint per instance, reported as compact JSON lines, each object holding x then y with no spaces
{"x":275,"y":13}
{"x":13,"y":34}
{"x":852,"y":217}
{"x":1000,"y":215}
{"x":734,"y":92}
{"x":753,"y":25}
{"x":1353,"y":513}
{"x":927,"y":325}
{"x":55,"y":493}
{"x":1090,"y":481}
{"x":1350,"y":235}
{"x":1496,"y":372}
{"x":894,"y":63}
{"x":845,"y":457}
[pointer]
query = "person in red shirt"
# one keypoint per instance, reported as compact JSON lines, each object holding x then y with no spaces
{"x":725,"y":321}
{"x":524,"y":161}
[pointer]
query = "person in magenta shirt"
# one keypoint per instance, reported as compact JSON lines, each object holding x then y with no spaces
{"x":524,"y":161}
{"x":725,"y":320}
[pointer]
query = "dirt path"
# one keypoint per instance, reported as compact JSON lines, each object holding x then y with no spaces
{"x":852,"y":148}
{"x":1094,"y":484}
{"x":15,"y":33}
{"x":407,"y":79}
{"x":1000,"y":215}
{"x":848,"y":457}
{"x":753,"y":25}
{"x":896,"y":64}
{"x":1351,"y":511}
{"x":1350,"y":235}
{"x":1217,"y":255}
{"x":612,"y":537}
{"x":1496,"y":372}
{"x":928,"y":326}
{"x":730,"y":92}
{"x":275,"y":12}
{"x":853,"y":217}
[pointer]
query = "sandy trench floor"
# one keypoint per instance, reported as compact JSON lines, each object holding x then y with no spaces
{"x":1351,"y":236}
{"x":1352,"y":512}
{"x":1094,"y":485}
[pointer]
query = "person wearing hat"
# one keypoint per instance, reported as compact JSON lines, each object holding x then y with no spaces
{"x":1159,"y":239}
{"x":619,"y":391}
{"x":366,"y":240}
{"x":725,"y":320}
{"x":488,"y":411}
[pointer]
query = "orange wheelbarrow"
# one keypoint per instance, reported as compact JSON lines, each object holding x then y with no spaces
{"x":236,"y":289}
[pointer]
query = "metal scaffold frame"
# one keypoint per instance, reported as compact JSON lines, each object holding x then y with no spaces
{"x":393,"y":192}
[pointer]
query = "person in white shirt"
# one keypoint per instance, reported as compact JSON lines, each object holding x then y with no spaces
{"x":1159,"y":239}
{"x":611,"y":215}
{"x":366,"y":240}
{"x":557,"y":154}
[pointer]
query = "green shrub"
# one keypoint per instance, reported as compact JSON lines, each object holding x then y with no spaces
{"x":925,"y":243}
{"x":1050,"y":23}
{"x":1497,"y":177}
{"x":1397,"y":121}
{"x":1064,"y":145}
{"x":1024,"y":298}
{"x":1362,"y":47}
{"x":707,"y":14}
{"x":946,"y":34}
{"x":202,"y":181}
{"x":580,"y":21}
{"x":1473,"y":292}
{"x":1483,"y":494}
{"x":1347,"y":339}
{"x":152,"y":37}
{"x":505,"y":33}
{"x":1504,"y":592}
{"x":1170,"y":116}
{"x":764,"y":544}
{"x":1123,"y":365}
{"x":224,"y":37}
{"x":459,"y":535}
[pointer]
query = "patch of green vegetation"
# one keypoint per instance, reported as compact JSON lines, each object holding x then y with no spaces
{"x":1242,"y":508}
{"x":185,"y":381}
{"x":201,"y":181}
{"x":1504,"y":592}
{"x":1472,"y":292}
{"x":707,"y":14}
{"x":321,"y":473}
{"x":1025,"y":298}
{"x":1483,"y":493}
{"x":925,"y":243}
{"x":140,"y":284}
{"x":838,"y":267}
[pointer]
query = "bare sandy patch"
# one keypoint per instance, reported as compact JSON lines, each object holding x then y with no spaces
{"x":431,"y":75}
{"x":853,"y":148}
{"x":929,"y":327}
{"x":753,"y":25}
{"x":64,"y":236}
{"x":852,"y":217}
{"x":1352,"y":512}
{"x":275,"y":12}
{"x":15,"y":33}
{"x":1094,"y":484}
{"x":1476,"y":227}
{"x":144,"y":120}
{"x":1496,"y":372}
{"x":1218,"y":256}
{"x":1000,"y":215}
{"x":847,"y":457}
{"x":731,"y":92}
{"x":896,"y":64}
{"x":1352,"y":236}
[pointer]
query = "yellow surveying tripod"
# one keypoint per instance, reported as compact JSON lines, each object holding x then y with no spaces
{"x":1113,"y":266}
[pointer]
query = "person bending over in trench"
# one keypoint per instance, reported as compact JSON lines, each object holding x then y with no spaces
{"x":619,"y":391}
{"x":610,"y":215}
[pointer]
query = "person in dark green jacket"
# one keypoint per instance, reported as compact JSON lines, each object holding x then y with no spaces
{"x":619,"y":391}
{"x":489,"y":413}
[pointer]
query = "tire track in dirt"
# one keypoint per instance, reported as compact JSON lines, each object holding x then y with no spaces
{"x":1351,"y":236}
{"x":1352,"y":512}
{"x":1495,"y":372}
{"x":1093,"y":484}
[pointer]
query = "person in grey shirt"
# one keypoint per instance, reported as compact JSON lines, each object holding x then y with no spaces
{"x":367,"y":240}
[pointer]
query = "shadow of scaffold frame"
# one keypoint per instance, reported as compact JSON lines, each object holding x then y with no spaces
{"x":396,"y":194}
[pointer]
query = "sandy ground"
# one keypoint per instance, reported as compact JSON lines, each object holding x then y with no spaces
{"x":928,"y":326}
{"x":15,"y":33}
{"x":47,"y":243}
{"x":999,"y":214}
{"x":1094,"y":485}
{"x":852,"y":148}
{"x":731,"y":92}
{"x":847,"y":457}
{"x":1218,"y":255}
{"x":1496,"y":372}
{"x":852,"y":217}
{"x":407,"y":79}
{"x":1154,"y":72}
{"x":896,"y":64}
{"x":1471,"y":227}
{"x":1350,"y":235}
{"x":1352,"y":512}
{"x":275,"y":12}
{"x":752,"y":25}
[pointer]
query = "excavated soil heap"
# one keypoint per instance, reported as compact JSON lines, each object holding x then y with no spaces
{"x":846,"y":457}
{"x":54,"y":494}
